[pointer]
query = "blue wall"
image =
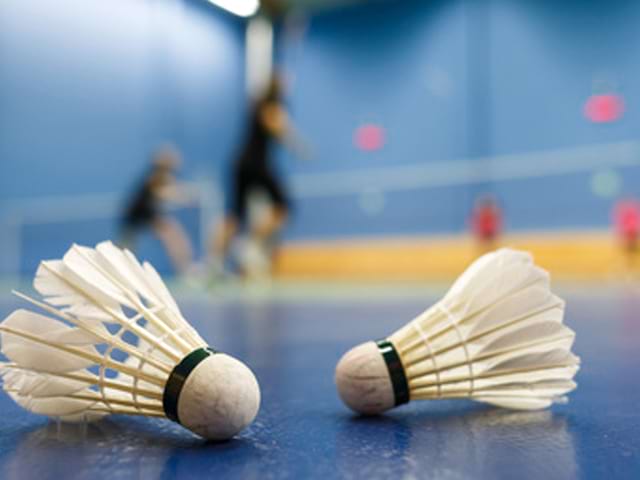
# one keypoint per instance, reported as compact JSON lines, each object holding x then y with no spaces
{"x":464,"y":81}
{"x":88,"y":89}
{"x":546,"y":59}
{"x":473,"y":96}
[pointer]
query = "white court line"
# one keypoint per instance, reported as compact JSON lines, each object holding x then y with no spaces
{"x":463,"y":172}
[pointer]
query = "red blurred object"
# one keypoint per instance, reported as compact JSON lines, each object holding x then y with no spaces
{"x":486,"y":221}
{"x":626,"y":217}
{"x":369,"y":137}
{"x":604,"y":108}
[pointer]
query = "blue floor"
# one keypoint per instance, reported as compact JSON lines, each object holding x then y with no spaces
{"x":303,"y":430}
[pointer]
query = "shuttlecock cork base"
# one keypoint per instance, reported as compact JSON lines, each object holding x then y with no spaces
{"x":496,"y":337}
{"x":118,"y":344}
{"x":371,"y":378}
{"x":212,"y":394}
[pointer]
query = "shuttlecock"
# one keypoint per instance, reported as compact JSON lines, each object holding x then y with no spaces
{"x":119,"y":345}
{"x":497,"y":337}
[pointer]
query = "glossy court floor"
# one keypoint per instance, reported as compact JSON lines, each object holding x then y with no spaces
{"x":293,"y":340}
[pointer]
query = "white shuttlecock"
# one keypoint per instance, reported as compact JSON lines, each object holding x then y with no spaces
{"x":496,"y":337}
{"x":119,"y":345}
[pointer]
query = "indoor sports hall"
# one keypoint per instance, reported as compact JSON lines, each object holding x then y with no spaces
{"x":306,"y":176}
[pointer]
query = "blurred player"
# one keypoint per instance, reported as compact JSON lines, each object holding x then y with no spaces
{"x":626,"y":218}
{"x":486,"y":222}
{"x":253,"y":170}
{"x":145,"y":209}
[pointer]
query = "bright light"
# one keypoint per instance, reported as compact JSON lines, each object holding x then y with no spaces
{"x":259,"y":55}
{"x":243,"y":8}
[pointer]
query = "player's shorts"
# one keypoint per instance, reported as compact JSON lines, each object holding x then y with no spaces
{"x":245,"y":181}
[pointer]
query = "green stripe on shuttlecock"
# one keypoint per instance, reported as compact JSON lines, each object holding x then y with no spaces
{"x":177,"y":379}
{"x":396,"y":371}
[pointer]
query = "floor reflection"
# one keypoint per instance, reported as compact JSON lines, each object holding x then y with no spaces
{"x":125,"y":447}
{"x":447,"y":442}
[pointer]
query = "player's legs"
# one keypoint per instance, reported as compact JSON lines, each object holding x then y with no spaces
{"x":271,"y":224}
{"x":276,"y":215}
{"x":223,"y":234}
{"x":228,"y":227}
{"x":176,"y":242}
{"x":258,"y":252}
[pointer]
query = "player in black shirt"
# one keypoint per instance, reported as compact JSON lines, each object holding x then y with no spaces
{"x":144,"y":209}
{"x":253,"y":170}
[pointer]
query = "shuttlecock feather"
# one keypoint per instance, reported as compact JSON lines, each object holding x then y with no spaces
{"x":497,"y":337}
{"x":119,"y":344}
